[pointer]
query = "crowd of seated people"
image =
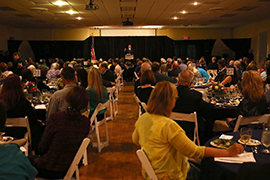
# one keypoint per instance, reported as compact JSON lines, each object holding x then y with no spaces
{"x":14,"y":164}
{"x":94,"y":80}
{"x":165,"y":142}
{"x":65,"y":130}
{"x":82,"y":88}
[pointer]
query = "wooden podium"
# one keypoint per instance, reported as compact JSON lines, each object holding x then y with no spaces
{"x":129,"y":56}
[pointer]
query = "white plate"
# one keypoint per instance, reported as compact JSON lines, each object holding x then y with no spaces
{"x":6,"y":139}
{"x":222,"y":143}
{"x":251,"y":142}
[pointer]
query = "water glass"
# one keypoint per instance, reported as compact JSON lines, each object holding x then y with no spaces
{"x":266,"y":138}
{"x":245,"y":134}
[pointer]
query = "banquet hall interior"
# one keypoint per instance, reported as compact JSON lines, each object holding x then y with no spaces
{"x":186,"y":29}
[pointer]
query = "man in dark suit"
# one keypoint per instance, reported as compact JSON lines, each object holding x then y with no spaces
{"x":190,"y":101}
{"x":107,"y":75}
{"x":175,"y":71}
{"x":161,"y":77}
{"x":129,"y":50}
{"x":213,"y":64}
{"x":18,"y":64}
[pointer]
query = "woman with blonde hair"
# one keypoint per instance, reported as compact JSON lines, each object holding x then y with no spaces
{"x":165,"y":142}
{"x":192,"y":67}
{"x":254,"y":102}
{"x":96,"y":91}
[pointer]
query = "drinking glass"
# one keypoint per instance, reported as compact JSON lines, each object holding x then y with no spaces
{"x":245,"y":134}
{"x":266,"y":138}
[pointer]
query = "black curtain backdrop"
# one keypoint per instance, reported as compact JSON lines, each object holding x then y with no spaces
{"x":112,"y":47}
{"x":154,"y":48}
{"x":194,"y":49}
{"x":66,"y":50}
{"x":239,"y":46}
{"x":13,"y":46}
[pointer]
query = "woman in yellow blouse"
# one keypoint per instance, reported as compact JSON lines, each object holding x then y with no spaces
{"x":165,"y":142}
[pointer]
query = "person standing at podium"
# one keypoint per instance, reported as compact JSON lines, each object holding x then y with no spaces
{"x":129,"y":50}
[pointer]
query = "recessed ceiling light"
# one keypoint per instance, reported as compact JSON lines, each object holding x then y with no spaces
{"x":183,"y":12}
{"x":71,"y":12}
{"x":195,"y":3}
{"x":79,"y":18}
{"x":60,"y":3}
{"x":175,"y":18}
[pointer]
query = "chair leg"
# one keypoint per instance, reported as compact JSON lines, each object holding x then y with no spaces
{"x":98,"y":139}
{"x":106,"y":143}
{"x":77,"y":173}
{"x":115,"y":108}
{"x":85,"y":160}
{"x":111,"y":111}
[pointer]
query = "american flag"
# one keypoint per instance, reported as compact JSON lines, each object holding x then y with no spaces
{"x":93,"y":55}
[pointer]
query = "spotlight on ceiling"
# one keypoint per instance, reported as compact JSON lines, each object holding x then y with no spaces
{"x":91,"y":6}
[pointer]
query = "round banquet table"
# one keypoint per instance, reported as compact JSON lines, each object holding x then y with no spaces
{"x":228,"y":171}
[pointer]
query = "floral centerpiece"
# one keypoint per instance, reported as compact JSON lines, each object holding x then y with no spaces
{"x":30,"y":88}
{"x":217,"y":90}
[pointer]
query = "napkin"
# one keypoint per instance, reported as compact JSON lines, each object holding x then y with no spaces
{"x":239,"y":159}
{"x":223,"y":136}
{"x":40,"y":106}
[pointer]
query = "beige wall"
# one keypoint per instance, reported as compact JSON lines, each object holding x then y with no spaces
{"x":52,"y":34}
{"x":252,"y":31}
{"x":215,"y":33}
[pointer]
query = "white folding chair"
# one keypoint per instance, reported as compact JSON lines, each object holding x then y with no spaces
{"x":94,"y":126}
{"x":121,"y":78}
{"x":74,"y":165}
{"x":111,"y":90}
{"x":86,"y":113}
{"x":192,"y":117}
{"x":118,"y":83}
{"x":250,"y":120}
{"x":136,"y":76}
{"x":22,"y":122}
{"x":146,"y":164}
{"x":140,"y":104}
{"x":113,"y":97}
{"x":212,"y":73}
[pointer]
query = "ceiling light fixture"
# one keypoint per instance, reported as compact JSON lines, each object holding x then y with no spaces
{"x":175,"y":18}
{"x":152,"y":27}
{"x":195,"y":3}
{"x":60,"y":3}
{"x":183,"y":12}
{"x":71,"y":12}
{"x":79,"y":18}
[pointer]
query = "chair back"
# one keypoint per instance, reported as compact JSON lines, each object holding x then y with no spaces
{"x":111,"y":91}
{"x":94,"y":126}
{"x":74,"y":165}
{"x":140,"y":104}
{"x":250,"y":120}
{"x":86,"y":113}
{"x":192,"y":117}
{"x":136,"y":76}
{"x":212,"y":73}
{"x":99,"y":107}
{"x":21,"y":122}
{"x":146,"y":164}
